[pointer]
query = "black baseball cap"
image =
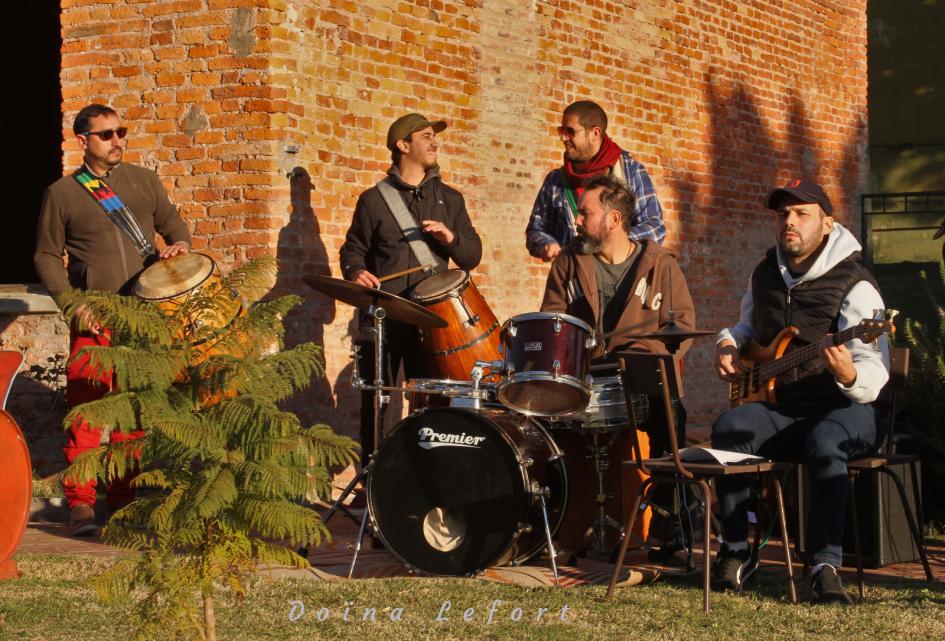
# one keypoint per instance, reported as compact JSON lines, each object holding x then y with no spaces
{"x":406,"y":125}
{"x":803,"y":189}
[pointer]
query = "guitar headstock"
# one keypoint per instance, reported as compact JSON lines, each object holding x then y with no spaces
{"x":870,"y":329}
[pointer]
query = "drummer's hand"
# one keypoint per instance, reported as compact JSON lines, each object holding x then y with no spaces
{"x":87,"y":321}
{"x":727,"y":363}
{"x":180,"y":247}
{"x":550,"y":251}
{"x":366,"y":278}
{"x":438,"y":230}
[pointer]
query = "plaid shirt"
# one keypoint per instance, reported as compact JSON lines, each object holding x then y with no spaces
{"x":552,"y":219}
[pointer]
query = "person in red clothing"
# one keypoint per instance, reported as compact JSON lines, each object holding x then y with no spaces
{"x":108,"y":243}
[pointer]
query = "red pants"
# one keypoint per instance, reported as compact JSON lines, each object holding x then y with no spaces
{"x":84,"y":384}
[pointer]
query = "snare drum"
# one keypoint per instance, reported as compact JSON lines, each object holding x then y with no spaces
{"x":607,"y":408}
{"x":547,"y":355}
{"x":423,"y":393}
{"x":472,"y":334}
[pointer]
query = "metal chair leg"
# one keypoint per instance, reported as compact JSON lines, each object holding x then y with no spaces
{"x":792,"y":590}
{"x":627,"y":534}
{"x":706,"y":542}
{"x":856,"y":533}
{"x":910,"y":519}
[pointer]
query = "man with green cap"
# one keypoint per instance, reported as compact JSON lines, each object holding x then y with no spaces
{"x":407,"y":220}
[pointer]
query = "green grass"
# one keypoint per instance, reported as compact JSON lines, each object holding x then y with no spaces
{"x":52,"y":602}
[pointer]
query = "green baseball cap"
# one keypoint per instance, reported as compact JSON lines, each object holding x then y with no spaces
{"x":406,"y":125}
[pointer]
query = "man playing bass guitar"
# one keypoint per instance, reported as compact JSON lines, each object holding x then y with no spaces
{"x":813,"y":281}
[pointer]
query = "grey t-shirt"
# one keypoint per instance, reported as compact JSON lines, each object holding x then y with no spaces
{"x":613,"y":287}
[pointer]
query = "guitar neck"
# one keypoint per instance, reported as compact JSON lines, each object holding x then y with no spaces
{"x":800,"y":356}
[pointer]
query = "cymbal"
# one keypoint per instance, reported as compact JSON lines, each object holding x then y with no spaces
{"x":357,"y":295}
{"x":670,"y":332}
{"x":674,"y":333}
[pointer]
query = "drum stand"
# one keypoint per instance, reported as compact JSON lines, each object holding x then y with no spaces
{"x":380,"y":401}
{"x":594,"y":542}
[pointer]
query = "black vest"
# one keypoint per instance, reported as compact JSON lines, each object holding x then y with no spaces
{"x":814,"y":308}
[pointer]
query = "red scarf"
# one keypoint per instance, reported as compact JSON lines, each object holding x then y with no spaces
{"x":581,"y":173}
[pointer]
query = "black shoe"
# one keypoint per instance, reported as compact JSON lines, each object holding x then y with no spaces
{"x":825,"y":587}
{"x":732,"y":569}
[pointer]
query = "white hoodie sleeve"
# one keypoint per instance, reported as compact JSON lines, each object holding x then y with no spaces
{"x":870,"y":360}
{"x":743,"y":331}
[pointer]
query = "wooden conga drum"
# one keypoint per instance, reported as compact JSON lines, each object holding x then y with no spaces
{"x":472,"y":333}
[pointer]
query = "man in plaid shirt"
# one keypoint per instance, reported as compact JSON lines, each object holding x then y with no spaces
{"x":588,"y":152}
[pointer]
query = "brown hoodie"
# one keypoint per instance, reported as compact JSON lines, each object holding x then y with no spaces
{"x":659,"y":286}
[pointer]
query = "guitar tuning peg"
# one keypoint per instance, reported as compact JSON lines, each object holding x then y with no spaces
{"x":891,"y":314}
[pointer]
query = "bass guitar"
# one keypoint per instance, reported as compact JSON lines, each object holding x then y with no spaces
{"x":763,"y":365}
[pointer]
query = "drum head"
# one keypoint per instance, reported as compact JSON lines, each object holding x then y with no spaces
{"x":438,"y":284}
{"x":543,"y":395}
{"x":17,"y":493}
{"x":173,"y":276}
{"x":547,"y":316}
{"x":447,"y":492}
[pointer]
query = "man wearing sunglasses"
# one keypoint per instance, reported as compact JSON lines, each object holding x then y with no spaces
{"x":104,"y":216}
{"x":588,"y":153}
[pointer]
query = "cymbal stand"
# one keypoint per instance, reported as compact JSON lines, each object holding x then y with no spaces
{"x":380,"y":402}
{"x":595,"y":539}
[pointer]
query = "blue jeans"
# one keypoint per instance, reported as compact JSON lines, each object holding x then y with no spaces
{"x":824,"y":438}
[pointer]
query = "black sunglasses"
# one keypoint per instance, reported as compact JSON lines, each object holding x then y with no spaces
{"x":570,"y":132}
{"x":107,"y":134}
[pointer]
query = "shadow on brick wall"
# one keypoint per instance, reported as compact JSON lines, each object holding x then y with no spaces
{"x":301,"y":252}
{"x":723,"y":227}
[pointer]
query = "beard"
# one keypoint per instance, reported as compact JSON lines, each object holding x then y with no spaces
{"x":584,"y":243}
{"x":577,"y":155}
{"x":793,"y":247}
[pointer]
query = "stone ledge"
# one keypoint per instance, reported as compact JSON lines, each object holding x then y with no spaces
{"x":26,"y":299}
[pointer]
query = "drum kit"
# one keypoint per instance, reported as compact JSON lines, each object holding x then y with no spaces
{"x":472,"y":478}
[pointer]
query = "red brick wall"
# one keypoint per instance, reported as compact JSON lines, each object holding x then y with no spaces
{"x":719,"y":100}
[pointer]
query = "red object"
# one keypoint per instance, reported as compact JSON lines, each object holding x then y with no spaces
{"x":83,"y":385}
{"x":579,"y":174}
{"x":9,"y":364}
{"x":17,"y":492}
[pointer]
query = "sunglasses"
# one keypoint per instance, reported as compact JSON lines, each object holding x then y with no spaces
{"x":570,"y":132}
{"x":107,"y":134}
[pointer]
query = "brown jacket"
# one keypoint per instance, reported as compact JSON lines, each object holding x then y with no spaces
{"x":572,"y":289}
{"x":101,"y":256}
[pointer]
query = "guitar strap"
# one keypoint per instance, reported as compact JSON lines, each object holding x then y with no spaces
{"x":406,"y":222}
{"x":116,"y":210}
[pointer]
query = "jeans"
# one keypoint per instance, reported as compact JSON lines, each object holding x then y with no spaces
{"x":823,"y":437}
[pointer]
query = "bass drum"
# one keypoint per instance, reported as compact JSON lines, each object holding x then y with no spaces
{"x":454,"y":491}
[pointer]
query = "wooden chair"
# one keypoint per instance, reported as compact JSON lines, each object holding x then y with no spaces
{"x":655,"y":375}
{"x":883,"y":462}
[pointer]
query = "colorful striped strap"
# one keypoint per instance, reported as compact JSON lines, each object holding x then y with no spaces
{"x":116,"y":210}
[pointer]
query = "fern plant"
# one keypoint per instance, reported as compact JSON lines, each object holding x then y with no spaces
{"x":223,"y":471}
{"x":926,"y":391}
